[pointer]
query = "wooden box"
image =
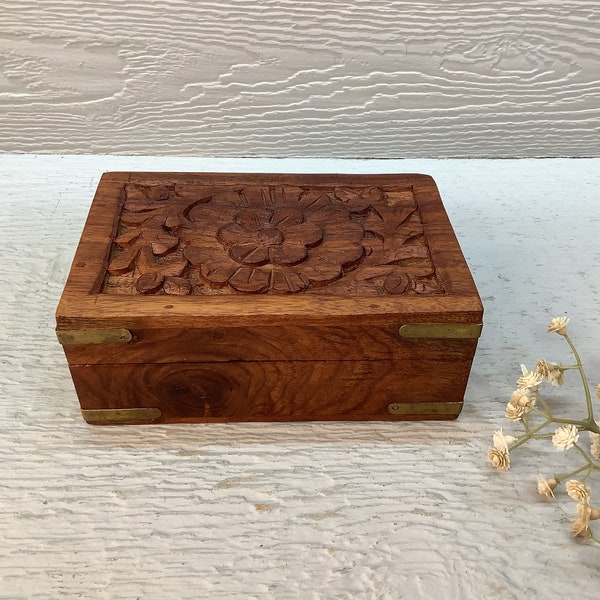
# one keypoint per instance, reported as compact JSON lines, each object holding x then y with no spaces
{"x":208,"y":297}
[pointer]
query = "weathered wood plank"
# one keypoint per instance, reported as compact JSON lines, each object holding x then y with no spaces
{"x":298,"y":510}
{"x":284,"y":78}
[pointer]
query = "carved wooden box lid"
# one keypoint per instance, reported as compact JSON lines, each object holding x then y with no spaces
{"x":346,"y":240}
{"x":209,"y":250}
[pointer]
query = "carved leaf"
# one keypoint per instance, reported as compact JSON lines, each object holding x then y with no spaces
{"x":311,"y":201}
{"x":177,"y":286}
{"x":408,"y":253}
{"x":359,"y":199}
{"x":124,"y":263}
{"x":426,"y":285}
{"x":127,"y":238}
{"x":149,"y":282}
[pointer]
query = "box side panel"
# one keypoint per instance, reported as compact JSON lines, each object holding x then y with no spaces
{"x":288,"y":342}
{"x":276,"y":391}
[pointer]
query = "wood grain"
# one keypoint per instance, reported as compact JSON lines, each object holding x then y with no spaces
{"x":284,"y":78}
{"x":275,"y":359}
{"x":348,"y":238}
{"x":272,"y":391}
{"x":352,"y":340}
{"x":83,"y":304}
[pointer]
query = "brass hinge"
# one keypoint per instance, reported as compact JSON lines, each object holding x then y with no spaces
{"x":441,"y":330}
{"x":108,"y":416}
{"x":93,"y":336}
{"x":425,"y":408}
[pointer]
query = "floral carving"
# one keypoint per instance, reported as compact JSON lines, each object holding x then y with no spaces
{"x":281,"y":239}
{"x":178,"y":240}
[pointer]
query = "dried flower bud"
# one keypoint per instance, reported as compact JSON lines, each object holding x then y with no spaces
{"x":581,"y":525}
{"x":514,"y":413}
{"x":565,"y":437}
{"x":546,"y":487}
{"x":529,"y":380}
{"x":520,"y":397}
{"x":503,"y":441}
{"x":594,"y":513}
{"x":556,"y":377}
{"x":553,"y":372}
{"x":577,"y":490}
{"x":598,"y":391}
{"x":558,"y":325}
{"x":500,"y":459}
{"x":595,"y":450}
{"x":542,"y":367}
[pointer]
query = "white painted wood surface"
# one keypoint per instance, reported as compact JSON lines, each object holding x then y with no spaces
{"x":286,"y":511}
{"x":382,"y":78}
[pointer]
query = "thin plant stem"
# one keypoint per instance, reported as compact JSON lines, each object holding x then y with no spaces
{"x":586,"y":387}
{"x":541,"y":431}
{"x":544,"y":404}
{"x":564,"y":476}
{"x":529,"y":435}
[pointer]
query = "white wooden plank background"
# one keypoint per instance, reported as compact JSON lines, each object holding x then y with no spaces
{"x":286,"y":511}
{"x":382,"y":78}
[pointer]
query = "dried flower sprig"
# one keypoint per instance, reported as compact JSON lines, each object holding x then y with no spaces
{"x":527,"y":403}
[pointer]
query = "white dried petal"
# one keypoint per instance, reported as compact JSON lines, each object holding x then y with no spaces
{"x":556,"y":377}
{"x":577,"y":490}
{"x":565,"y":437}
{"x":499,"y":459}
{"x":503,"y":441}
{"x":546,"y":487}
{"x":514,"y":413}
{"x":581,"y":525}
{"x":530,"y":380}
{"x":558,"y":325}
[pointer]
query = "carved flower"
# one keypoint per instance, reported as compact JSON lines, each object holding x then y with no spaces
{"x":274,"y":239}
{"x":191,"y":238}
